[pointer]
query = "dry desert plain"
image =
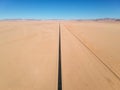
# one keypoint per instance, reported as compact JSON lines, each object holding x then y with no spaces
{"x":31,"y":51}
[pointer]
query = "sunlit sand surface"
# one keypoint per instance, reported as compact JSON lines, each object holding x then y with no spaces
{"x":29,"y":54}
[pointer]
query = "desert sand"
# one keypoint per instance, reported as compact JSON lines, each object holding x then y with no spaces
{"x":29,"y":55}
{"x":102,"y":38}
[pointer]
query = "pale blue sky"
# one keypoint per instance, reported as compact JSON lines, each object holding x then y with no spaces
{"x":59,"y":9}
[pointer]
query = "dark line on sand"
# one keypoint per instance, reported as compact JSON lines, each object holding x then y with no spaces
{"x":59,"y":63}
{"x":94,"y":54}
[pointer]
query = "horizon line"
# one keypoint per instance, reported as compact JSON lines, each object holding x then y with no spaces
{"x":31,"y":19}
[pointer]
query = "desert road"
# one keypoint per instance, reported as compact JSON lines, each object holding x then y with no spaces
{"x":59,"y":55}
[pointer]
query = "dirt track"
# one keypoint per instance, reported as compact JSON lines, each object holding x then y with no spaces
{"x":29,"y":55}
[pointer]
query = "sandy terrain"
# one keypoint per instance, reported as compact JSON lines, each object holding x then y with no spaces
{"x":29,"y":54}
{"x":102,"y":39}
{"x":81,"y":69}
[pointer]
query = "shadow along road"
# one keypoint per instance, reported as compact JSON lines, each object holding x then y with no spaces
{"x":41,"y":55}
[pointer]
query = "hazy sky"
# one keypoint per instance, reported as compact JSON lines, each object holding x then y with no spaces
{"x":59,"y":9}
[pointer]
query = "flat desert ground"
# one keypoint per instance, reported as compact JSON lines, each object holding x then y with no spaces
{"x":30,"y":52}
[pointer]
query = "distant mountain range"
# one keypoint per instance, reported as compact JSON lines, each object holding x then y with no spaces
{"x":107,"y":19}
{"x":99,"y":19}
